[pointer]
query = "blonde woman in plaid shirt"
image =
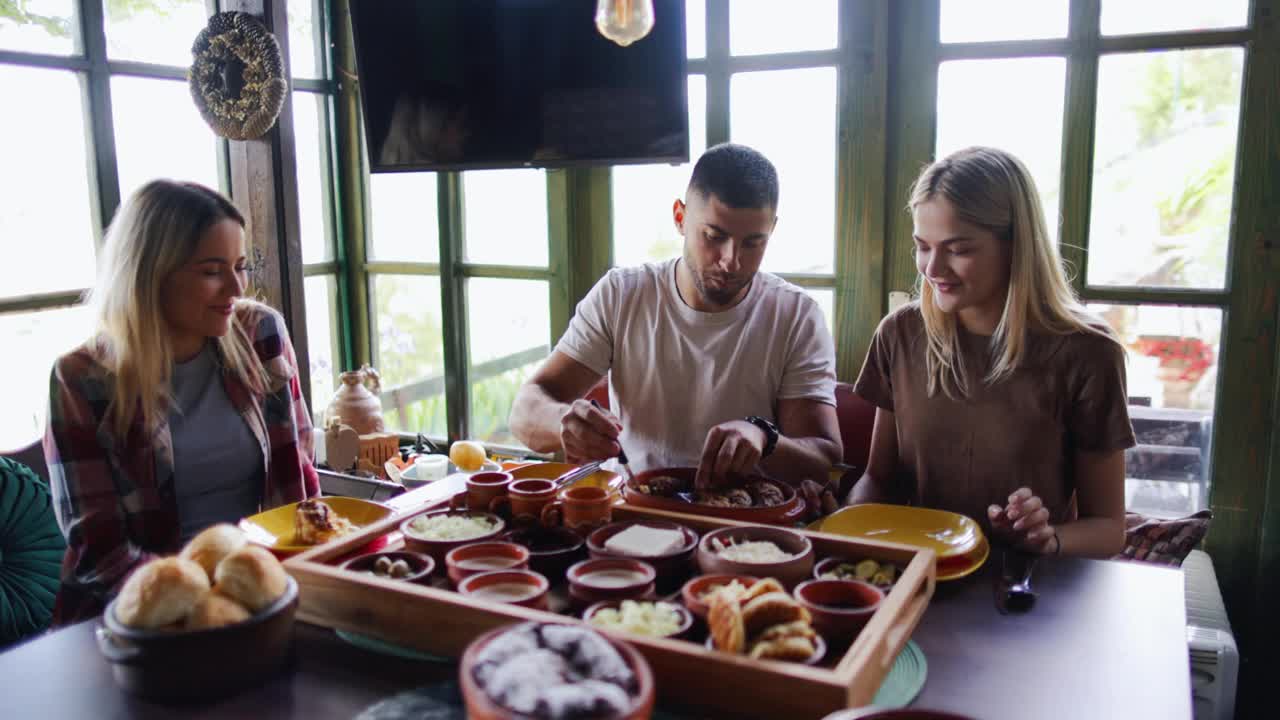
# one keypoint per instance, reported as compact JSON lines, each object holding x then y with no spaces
{"x":183,"y":409}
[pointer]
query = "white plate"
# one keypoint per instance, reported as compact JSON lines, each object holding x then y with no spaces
{"x":410,"y":476}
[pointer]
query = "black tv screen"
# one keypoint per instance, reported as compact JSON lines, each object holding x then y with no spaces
{"x":467,"y":84}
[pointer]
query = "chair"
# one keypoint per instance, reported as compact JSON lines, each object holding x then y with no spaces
{"x":856,"y":417}
{"x":31,"y":548}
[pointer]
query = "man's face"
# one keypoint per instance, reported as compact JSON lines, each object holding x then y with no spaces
{"x":723,"y":246}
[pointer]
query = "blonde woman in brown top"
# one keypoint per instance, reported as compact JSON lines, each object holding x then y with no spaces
{"x":998,"y":395}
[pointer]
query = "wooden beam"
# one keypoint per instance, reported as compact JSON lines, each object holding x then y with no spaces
{"x":352,"y":207}
{"x":1246,"y":453}
{"x":860,"y":195}
{"x":911,"y":129}
{"x":457,"y":357}
{"x":104,"y":187}
{"x":717,"y":66}
{"x":264,"y":185}
{"x":1080,"y":106}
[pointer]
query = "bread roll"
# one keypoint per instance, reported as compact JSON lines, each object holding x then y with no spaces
{"x":216,"y":610}
{"x":213,"y":544}
{"x":161,"y":592}
{"x":252,"y":576}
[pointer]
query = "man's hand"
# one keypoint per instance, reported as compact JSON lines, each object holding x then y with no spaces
{"x":732,"y":448}
{"x":589,"y":433}
{"x":819,"y":499}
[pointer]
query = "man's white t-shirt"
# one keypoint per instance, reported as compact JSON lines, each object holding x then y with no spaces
{"x":675,"y":372}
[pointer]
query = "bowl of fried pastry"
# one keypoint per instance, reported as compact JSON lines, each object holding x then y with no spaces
{"x":214,"y":619}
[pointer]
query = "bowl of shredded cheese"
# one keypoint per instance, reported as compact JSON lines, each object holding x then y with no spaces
{"x":436,"y":533}
{"x":757,"y":550}
{"x":640,"y":617}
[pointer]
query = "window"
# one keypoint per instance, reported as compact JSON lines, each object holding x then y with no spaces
{"x":1014,"y":104}
{"x":1164,"y":167}
{"x":410,"y":352}
{"x":1126,"y":17}
{"x":501,"y":260}
{"x":50,"y":27}
{"x":1152,"y":260}
{"x":314,"y":152}
{"x":764,"y":27}
{"x":59,"y":192}
{"x":190,"y":148}
{"x":643,"y":229}
{"x":761,"y":77}
{"x":971,"y":20}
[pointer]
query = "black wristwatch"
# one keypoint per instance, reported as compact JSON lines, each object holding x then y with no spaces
{"x":770,"y":434}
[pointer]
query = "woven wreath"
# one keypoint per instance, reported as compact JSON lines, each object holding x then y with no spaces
{"x":237,"y":76}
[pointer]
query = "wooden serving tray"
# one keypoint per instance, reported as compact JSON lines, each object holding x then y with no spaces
{"x":442,"y":622}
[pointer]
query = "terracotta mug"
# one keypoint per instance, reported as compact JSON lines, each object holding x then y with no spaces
{"x":580,"y":508}
{"x":484,"y":490}
{"x":526,"y":498}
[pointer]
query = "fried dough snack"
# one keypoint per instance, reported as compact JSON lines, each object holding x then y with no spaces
{"x":724,"y":616}
{"x":775,"y":608}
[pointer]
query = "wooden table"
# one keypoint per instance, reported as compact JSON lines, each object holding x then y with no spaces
{"x":1105,"y":640}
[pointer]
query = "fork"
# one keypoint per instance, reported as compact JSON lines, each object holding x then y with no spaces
{"x":1013,"y":590}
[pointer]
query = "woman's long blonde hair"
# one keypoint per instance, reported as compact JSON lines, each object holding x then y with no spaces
{"x":992,"y":189}
{"x":154,"y":233}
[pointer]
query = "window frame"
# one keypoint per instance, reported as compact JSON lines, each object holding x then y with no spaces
{"x":94,"y":71}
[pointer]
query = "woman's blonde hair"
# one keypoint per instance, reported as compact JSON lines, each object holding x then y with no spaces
{"x":993,"y":190}
{"x":155,"y":232}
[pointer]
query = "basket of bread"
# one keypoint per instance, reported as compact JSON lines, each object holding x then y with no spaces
{"x":202,"y":624}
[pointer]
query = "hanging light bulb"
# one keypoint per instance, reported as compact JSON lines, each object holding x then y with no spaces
{"x":624,"y":21}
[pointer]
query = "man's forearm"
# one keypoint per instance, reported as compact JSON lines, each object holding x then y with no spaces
{"x":796,"y":459}
{"x":535,"y":418}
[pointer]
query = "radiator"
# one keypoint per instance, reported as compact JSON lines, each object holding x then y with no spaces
{"x":1215,"y":662}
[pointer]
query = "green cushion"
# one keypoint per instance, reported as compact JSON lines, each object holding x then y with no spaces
{"x":31,"y":547}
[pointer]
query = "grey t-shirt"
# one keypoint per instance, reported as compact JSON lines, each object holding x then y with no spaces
{"x":675,"y":372}
{"x":217,"y":462}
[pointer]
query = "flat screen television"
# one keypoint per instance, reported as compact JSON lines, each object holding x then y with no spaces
{"x":472,"y":84}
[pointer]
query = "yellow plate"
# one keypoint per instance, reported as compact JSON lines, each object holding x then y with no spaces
{"x":552,"y":470}
{"x":956,"y":568}
{"x":946,"y":533}
{"x":273,"y":529}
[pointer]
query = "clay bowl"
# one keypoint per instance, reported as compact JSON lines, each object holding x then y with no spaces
{"x":681,"y":631}
{"x":875,"y":713}
{"x":819,"y":650}
{"x":787,"y":512}
{"x":790,"y":572}
{"x":420,"y":565}
{"x":193,"y":665}
{"x":828,"y":564}
{"x":467,"y":560}
{"x":438,"y":548}
{"x":839,"y":608}
{"x":551,"y":550}
{"x":481,"y":707}
{"x":482,"y":586}
{"x":691,"y":593}
{"x":672,"y":567}
{"x":591,"y":581}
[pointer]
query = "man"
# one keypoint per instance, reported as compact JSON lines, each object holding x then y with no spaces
{"x":711,"y":363}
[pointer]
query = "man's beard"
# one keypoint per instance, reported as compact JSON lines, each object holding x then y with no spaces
{"x":717,"y":296}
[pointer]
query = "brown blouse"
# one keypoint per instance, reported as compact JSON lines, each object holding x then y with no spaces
{"x":963,"y":455}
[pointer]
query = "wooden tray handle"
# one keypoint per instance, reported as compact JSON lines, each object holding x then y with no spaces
{"x":896,"y":637}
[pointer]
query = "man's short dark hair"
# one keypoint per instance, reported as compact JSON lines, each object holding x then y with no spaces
{"x":741,"y":177}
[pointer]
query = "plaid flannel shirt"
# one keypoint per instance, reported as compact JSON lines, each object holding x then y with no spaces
{"x":114,"y":496}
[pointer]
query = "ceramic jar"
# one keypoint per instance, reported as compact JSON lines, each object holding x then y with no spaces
{"x":356,"y":402}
